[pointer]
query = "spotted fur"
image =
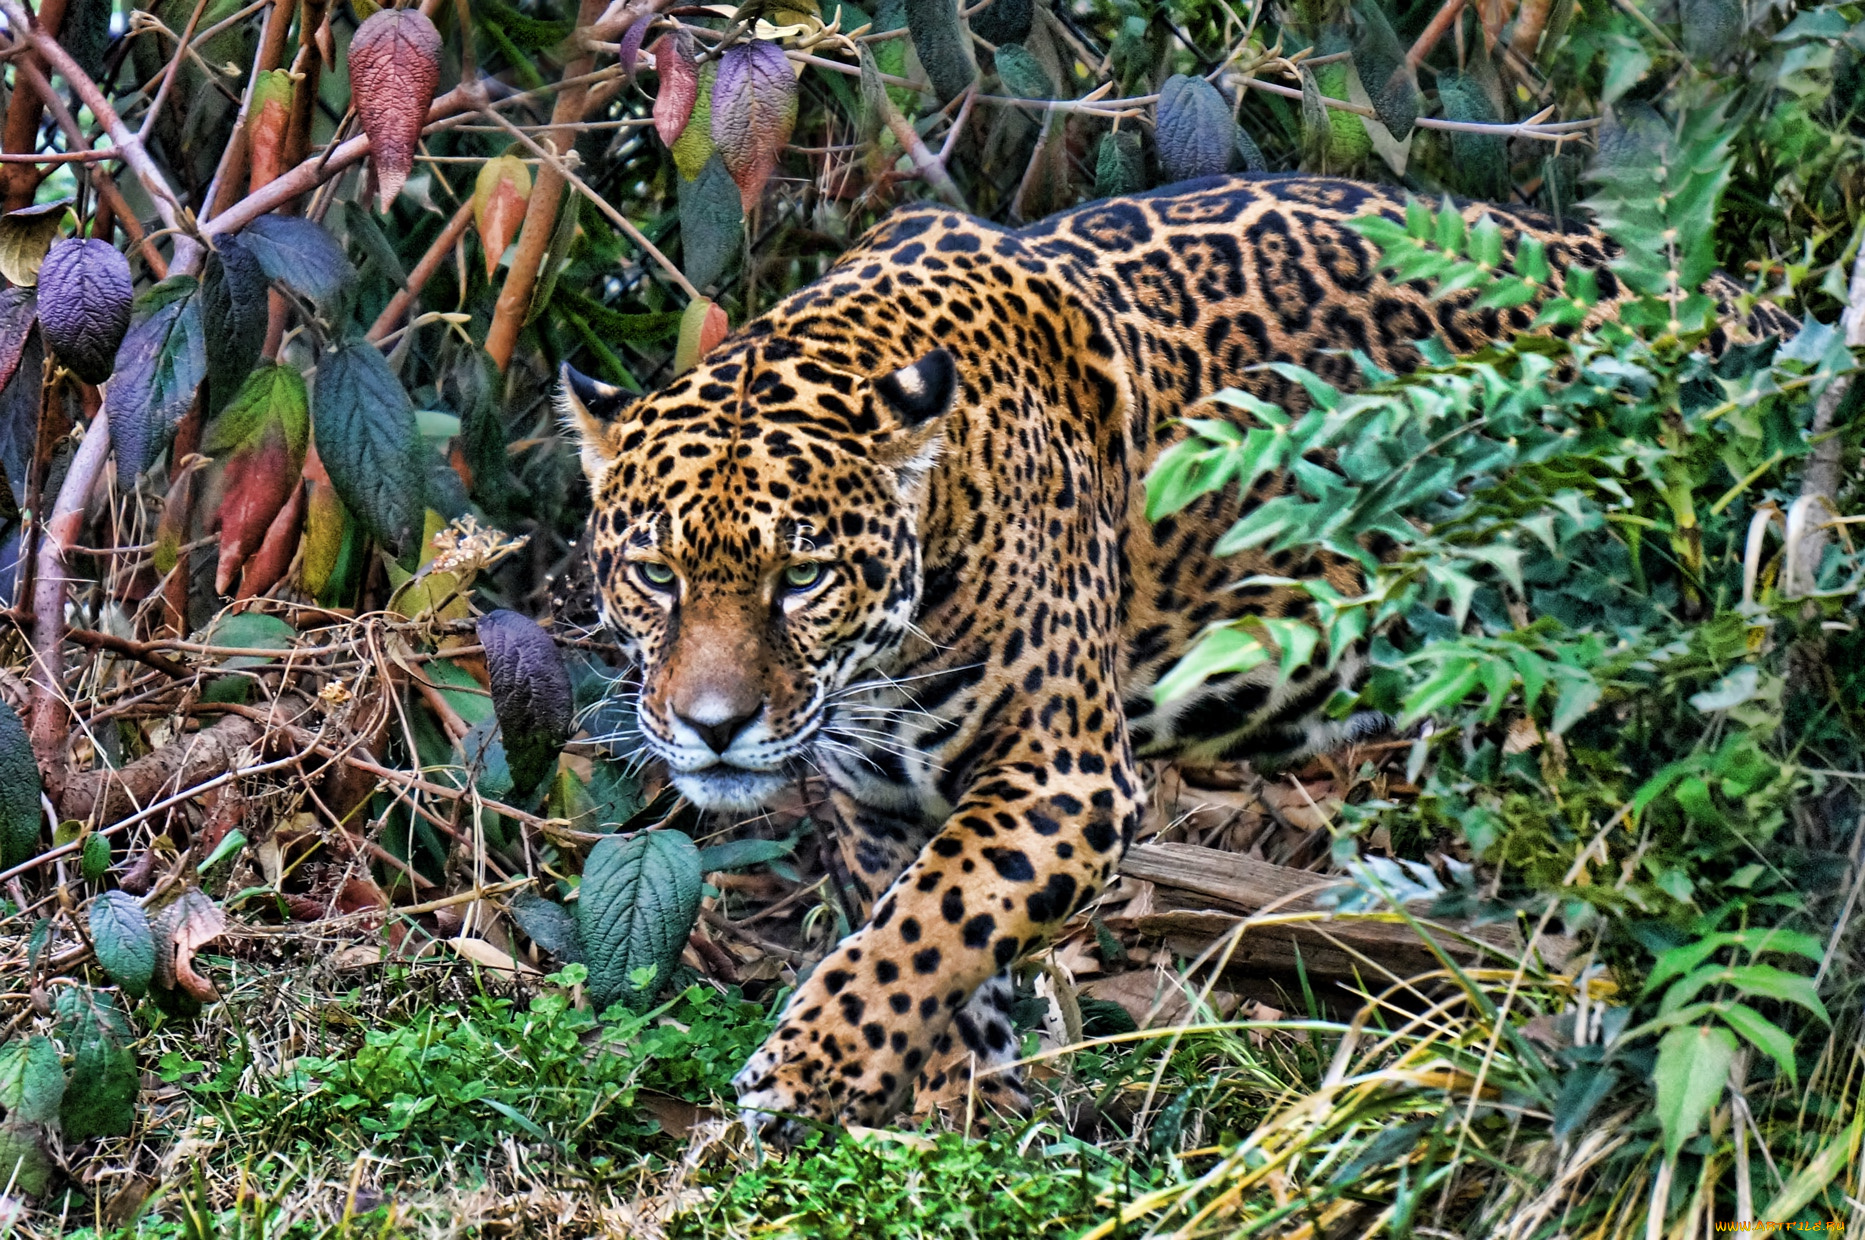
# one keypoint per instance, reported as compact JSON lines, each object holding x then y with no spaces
{"x":893,"y":532}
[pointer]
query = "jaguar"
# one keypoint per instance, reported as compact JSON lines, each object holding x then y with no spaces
{"x":892,"y":534}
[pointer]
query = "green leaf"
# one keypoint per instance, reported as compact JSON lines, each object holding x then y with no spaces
{"x":302,"y":255}
{"x":1390,"y":81}
{"x":24,"y":1162}
{"x":121,"y":936}
{"x":32,"y":1081}
{"x":101,"y":1097}
{"x":945,"y":49}
{"x":1584,"y":1089}
{"x":743,"y":854}
{"x":1579,"y":694}
{"x":1692,"y":1068}
{"x":234,"y":315}
{"x":1768,"y":1037}
{"x":1196,"y":134}
{"x":549,"y":924}
{"x":712,"y":223}
{"x":1119,"y":165}
{"x":368,"y":441}
{"x":273,"y":395}
{"x":1218,"y":652}
{"x":21,"y":812}
{"x":159,"y":365}
{"x":1479,"y":161}
{"x":1452,"y":682}
{"x":634,"y":910}
{"x":1022,"y":74}
{"x":95,"y":859}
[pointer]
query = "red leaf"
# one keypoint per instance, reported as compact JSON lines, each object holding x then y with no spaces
{"x":266,"y":428}
{"x":265,"y":125}
{"x":754,"y":110}
{"x":394,"y":70}
{"x":499,"y":198}
{"x":673,"y":102}
{"x":268,"y":564}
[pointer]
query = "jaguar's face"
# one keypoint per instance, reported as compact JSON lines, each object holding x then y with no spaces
{"x":755,"y":545}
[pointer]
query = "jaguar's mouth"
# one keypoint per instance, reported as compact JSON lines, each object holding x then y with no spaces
{"x":722,"y":786}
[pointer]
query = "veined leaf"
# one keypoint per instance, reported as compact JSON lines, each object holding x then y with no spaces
{"x":368,"y":441}
{"x":635,"y":908}
{"x":1693,"y":1067}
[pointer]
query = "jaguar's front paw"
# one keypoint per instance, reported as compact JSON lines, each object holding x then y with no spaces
{"x":789,"y":1087}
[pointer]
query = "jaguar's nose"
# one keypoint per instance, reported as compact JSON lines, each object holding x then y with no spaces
{"x":718,"y":728}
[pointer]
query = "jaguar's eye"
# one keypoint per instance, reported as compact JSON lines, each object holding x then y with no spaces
{"x":803,"y":575}
{"x":656,"y":574}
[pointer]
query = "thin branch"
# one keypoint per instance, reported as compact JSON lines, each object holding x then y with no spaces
{"x":423,"y":271}
{"x":107,"y":189}
{"x":185,"y":42}
{"x":167,"y":205}
{"x":60,"y":534}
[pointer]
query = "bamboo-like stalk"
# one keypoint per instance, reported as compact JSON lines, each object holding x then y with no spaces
{"x":540,"y":221}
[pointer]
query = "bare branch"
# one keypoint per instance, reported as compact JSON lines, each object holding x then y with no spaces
{"x":167,"y":204}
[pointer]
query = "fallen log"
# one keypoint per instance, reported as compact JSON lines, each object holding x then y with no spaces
{"x":1203,"y":894}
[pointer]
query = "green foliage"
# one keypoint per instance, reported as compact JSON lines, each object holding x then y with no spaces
{"x":904,"y":1188}
{"x":20,"y":813}
{"x":120,"y":936}
{"x":463,"y":1075}
{"x":368,"y":440}
{"x":635,"y":907}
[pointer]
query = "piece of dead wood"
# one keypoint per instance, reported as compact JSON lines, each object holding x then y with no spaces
{"x":1204,"y":893}
{"x":105,"y":796}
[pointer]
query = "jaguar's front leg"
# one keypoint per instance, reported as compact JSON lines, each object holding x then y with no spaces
{"x":1039,"y":833}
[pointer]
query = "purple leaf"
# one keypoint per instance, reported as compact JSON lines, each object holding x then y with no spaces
{"x":85,"y":291}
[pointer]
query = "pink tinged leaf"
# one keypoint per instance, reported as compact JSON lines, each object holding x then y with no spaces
{"x":754,"y":110}
{"x":702,"y":326}
{"x":679,"y":87}
{"x":85,"y":291}
{"x":19,"y":310}
{"x":259,"y":480}
{"x":394,"y":71}
{"x":630,"y":50}
{"x":266,"y":427}
{"x":267,"y":566}
{"x":499,"y":198}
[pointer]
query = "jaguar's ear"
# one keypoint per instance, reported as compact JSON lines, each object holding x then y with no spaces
{"x":922,"y":391}
{"x":919,"y":397}
{"x":585,"y":405}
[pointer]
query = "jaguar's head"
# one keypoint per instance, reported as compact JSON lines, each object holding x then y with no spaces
{"x":755,"y":539}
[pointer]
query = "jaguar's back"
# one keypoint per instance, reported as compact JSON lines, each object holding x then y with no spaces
{"x":894,"y":532}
